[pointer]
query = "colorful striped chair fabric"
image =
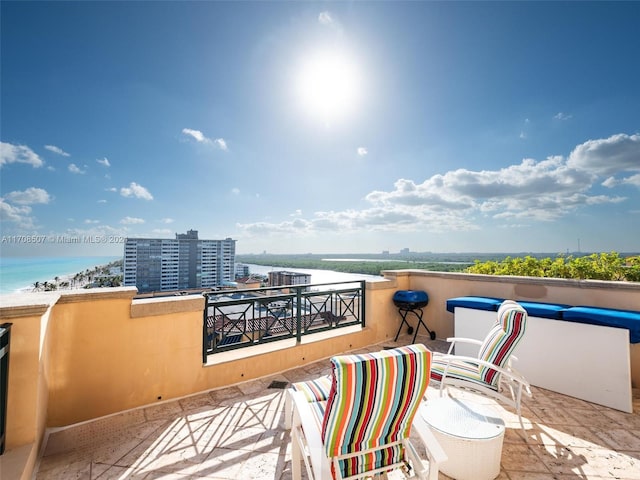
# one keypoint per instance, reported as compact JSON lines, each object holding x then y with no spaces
{"x":366,"y":420}
{"x":492,"y":368}
{"x":315,"y":390}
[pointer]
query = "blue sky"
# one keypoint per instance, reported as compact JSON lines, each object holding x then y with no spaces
{"x":337,"y":127}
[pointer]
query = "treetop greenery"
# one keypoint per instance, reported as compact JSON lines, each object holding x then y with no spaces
{"x":597,"y":266}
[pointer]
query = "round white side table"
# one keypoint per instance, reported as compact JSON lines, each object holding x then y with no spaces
{"x":471,"y":434}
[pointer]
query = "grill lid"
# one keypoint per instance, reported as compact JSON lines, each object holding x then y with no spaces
{"x":410,"y":299}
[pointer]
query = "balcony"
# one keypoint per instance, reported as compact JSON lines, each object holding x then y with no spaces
{"x":105,"y":386}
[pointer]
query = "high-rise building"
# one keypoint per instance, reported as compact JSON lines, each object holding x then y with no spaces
{"x":281,"y":278}
{"x":242,"y":270}
{"x":163,"y":264}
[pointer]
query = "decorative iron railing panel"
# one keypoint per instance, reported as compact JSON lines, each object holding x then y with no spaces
{"x":238,"y":319}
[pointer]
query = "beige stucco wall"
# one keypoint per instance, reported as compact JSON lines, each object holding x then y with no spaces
{"x":112,"y":353}
{"x":84,"y":354}
{"x":28,"y":380}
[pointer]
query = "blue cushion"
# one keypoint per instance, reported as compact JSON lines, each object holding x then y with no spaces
{"x":608,"y":317}
{"x":477,"y":303}
{"x":544,"y":310}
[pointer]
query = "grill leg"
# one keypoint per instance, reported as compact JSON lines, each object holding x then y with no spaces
{"x":403,"y":314}
{"x":418,"y":313}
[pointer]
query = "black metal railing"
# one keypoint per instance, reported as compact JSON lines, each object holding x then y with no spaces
{"x":5,"y":342}
{"x":242,"y":318}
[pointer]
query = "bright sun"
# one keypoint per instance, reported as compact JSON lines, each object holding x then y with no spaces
{"x":328,"y":85}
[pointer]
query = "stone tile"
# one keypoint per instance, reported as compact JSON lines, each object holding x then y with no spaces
{"x":610,"y":464}
{"x":521,"y":458}
{"x":552,"y":415}
{"x":63,"y":467}
{"x":238,"y":433}
{"x":566,"y":460}
{"x":240,"y":438}
{"x":225,"y":396}
{"x":568,"y":436}
{"x":114,"y":472}
{"x":628,"y":420}
{"x":87,"y":434}
{"x":196,"y":402}
{"x":532,"y":476}
{"x":162,"y":411}
{"x":222,"y":463}
{"x":254,"y":386}
{"x":598,"y":419}
{"x":620,"y":439}
{"x":261,"y":466}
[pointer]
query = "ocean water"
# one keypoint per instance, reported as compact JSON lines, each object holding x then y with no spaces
{"x":20,"y":273}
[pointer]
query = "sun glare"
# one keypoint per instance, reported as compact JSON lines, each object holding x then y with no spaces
{"x":328,"y":85}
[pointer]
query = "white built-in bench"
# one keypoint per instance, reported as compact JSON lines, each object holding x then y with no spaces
{"x":578,"y":351}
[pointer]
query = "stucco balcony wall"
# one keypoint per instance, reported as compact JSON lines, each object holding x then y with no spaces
{"x":82,"y":355}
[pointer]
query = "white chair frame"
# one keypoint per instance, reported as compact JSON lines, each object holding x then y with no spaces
{"x":509,"y":378}
{"x":307,"y":446}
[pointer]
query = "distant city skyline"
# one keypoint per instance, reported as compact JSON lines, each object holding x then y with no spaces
{"x":343,"y":127}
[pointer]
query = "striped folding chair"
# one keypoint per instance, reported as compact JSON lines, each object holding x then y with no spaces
{"x":491,"y":373}
{"x":362,"y":429}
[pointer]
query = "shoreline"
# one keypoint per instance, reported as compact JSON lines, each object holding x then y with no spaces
{"x":76,"y":281}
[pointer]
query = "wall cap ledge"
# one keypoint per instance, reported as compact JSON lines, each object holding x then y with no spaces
{"x":29,"y":304}
{"x":93,"y":294}
{"x":558,"y":282}
{"x":148,"y":307}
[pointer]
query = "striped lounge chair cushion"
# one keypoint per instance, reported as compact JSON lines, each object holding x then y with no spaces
{"x":316,"y":390}
{"x":497,"y":347}
{"x":502,"y":339}
{"x":461,"y":370}
{"x":372,"y":402}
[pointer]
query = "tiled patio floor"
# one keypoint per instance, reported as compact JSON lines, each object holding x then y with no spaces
{"x":238,"y":433}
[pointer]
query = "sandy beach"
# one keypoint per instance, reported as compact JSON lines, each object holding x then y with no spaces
{"x":105,"y":275}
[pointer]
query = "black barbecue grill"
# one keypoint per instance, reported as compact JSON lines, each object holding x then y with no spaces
{"x":412,"y":301}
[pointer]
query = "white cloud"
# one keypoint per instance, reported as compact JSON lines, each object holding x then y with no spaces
{"x":608,"y":156}
{"x":362,"y":151}
{"x":19,"y":215}
{"x":57,"y":150}
{"x":161,"y":231}
{"x":30,"y":196}
{"x":90,"y":221}
{"x":102,"y":201}
{"x":325,"y":18}
{"x":167,"y":220}
{"x":235,"y":191}
{"x":73,"y":168}
{"x":531,"y":190}
{"x":221,"y":143}
{"x":103,"y":161}
{"x":135,"y":190}
{"x":131,"y":221}
{"x":111,"y":189}
{"x":197,"y":134}
{"x":633,"y":180}
{"x":10,"y":153}
{"x":562,"y":116}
